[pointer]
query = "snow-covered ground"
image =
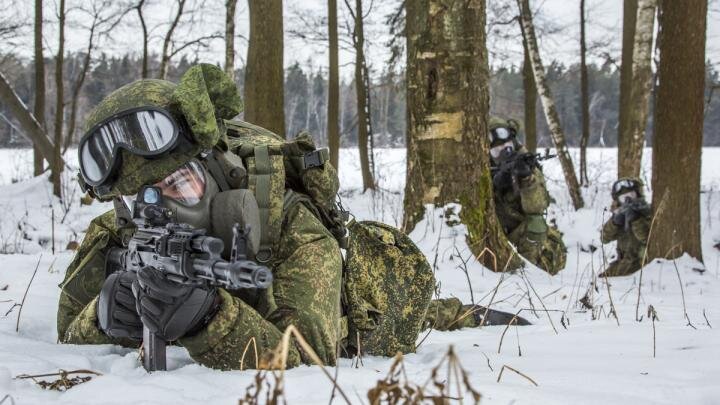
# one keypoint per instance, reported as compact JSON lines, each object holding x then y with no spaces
{"x":575,"y":355}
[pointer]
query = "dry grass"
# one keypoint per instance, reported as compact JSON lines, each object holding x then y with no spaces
{"x":64,"y":382}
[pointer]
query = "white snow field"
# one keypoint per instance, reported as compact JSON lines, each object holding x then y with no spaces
{"x":582,"y":357}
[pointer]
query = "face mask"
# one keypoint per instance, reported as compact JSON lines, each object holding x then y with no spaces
{"x":626,"y":197}
{"x":507,"y":147}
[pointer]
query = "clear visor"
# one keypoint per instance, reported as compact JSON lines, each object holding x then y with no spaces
{"x":185,"y":185}
{"x":495,"y":151}
{"x":625,"y":197}
{"x":145,"y":132}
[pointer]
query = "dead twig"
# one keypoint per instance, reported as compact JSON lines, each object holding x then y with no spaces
{"x":653,"y":316}
{"x":61,"y":384}
{"x":505,"y":366}
{"x":22,"y":303}
{"x":706,"y":319}
{"x":682,"y":294}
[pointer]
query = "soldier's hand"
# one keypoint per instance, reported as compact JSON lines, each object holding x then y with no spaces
{"x":522,"y":169}
{"x":502,"y":179}
{"x":116,"y":312}
{"x":170,"y":309}
{"x":618,"y":218}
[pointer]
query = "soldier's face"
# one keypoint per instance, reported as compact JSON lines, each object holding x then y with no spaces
{"x":496,"y":151}
{"x":186,"y":185}
{"x":625,"y":197}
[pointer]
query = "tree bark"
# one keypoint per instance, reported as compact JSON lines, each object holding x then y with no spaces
{"x":78,"y":86}
{"x":264,"y":73}
{"x":31,"y":127}
{"x":585,"y":100}
{"x":39,"y":108}
{"x":56,"y":169}
{"x":333,"y":113}
{"x":640,"y":88}
{"x":628,"y":38}
{"x":677,"y":144}
{"x":166,"y":52}
{"x":362,"y":90}
{"x":230,"y":38}
{"x":549,"y":108}
{"x":143,"y":25}
{"x":530,"y":102}
{"x":448,"y":104}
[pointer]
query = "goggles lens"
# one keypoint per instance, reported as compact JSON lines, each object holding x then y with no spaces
{"x":185,"y":185}
{"x":495,"y":151}
{"x":623,"y":184}
{"x":500,"y":134}
{"x":143,"y":132}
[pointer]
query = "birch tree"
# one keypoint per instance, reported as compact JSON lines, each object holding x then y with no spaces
{"x":230,"y":6}
{"x":448,"y":105}
{"x":333,"y":107}
{"x":631,"y":154}
{"x":549,"y":109}
{"x":585,"y":99}
{"x":39,"y":106}
{"x":56,"y":168}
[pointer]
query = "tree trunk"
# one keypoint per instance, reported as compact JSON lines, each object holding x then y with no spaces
{"x":585,"y":103}
{"x":548,"y":104}
{"x":77,"y":87}
{"x":230,"y":38}
{"x":362,"y":90}
{"x":166,"y":51}
{"x":333,"y":117}
{"x":640,"y":89}
{"x":138,"y":8}
{"x":530,"y":102}
{"x":677,"y":144}
{"x":624,"y":137}
{"x":30,"y":126}
{"x":448,"y":104}
{"x":39,"y":108}
{"x":56,"y":169}
{"x":264,"y":73}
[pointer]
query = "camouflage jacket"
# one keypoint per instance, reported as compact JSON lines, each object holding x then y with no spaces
{"x":516,"y":208}
{"x":630,"y":243}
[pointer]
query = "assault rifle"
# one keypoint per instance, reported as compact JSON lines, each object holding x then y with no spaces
{"x":516,"y":164}
{"x":185,"y":255}
{"x":631,"y":210}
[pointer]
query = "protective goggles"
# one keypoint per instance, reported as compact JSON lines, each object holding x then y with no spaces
{"x":501,"y":134}
{"x":624,"y":184}
{"x":186,"y":185}
{"x":146,"y":132}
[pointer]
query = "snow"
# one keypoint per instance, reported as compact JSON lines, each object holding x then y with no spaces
{"x":574,"y":354}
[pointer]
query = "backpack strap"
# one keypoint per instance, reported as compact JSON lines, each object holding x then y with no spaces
{"x":266,"y":179}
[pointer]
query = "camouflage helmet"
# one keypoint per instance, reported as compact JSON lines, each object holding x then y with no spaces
{"x":496,"y":122}
{"x":625,"y":184}
{"x":202,"y":99}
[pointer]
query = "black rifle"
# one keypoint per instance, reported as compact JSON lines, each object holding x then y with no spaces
{"x":185,"y":255}
{"x":511,"y":163}
{"x":633,"y":209}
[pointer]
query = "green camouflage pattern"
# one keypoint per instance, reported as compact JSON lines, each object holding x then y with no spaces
{"x":204,"y":97}
{"x":522,"y":215}
{"x":449,"y":314}
{"x":630,"y":245}
{"x":388,"y":285}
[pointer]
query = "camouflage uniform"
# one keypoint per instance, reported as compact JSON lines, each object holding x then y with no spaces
{"x":385,"y":315}
{"x":521,"y":212}
{"x":631,"y":242}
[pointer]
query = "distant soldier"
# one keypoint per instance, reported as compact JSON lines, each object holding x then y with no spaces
{"x":629,"y":226}
{"x":521,"y":198}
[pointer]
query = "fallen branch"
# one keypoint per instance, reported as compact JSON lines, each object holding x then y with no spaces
{"x":61,"y":384}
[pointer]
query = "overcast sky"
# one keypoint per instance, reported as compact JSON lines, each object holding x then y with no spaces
{"x":604,"y":25}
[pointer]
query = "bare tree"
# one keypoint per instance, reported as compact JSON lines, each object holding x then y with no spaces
{"x":628,"y":39}
{"x":585,"y":100}
{"x":145,"y":36}
{"x":167,"y":40}
{"x":39,"y":108}
{"x":448,"y":105}
{"x":56,"y":169}
{"x":333,"y":107}
{"x":230,"y":6}
{"x":677,"y":144}
{"x":640,"y":88}
{"x":362,"y":91}
{"x":551,"y":114}
{"x":264,"y":75}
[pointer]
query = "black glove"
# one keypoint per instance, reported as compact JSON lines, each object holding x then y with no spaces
{"x":618,"y":218}
{"x":116,"y":312}
{"x":172,"y":310}
{"x":502,"y":179}
{"x":522,"y":169}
